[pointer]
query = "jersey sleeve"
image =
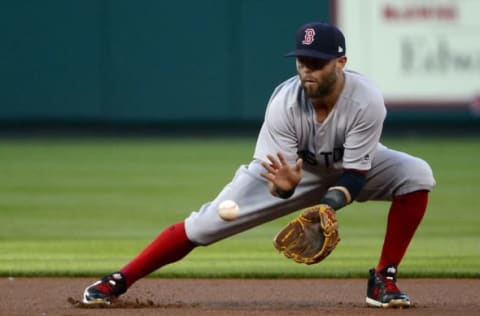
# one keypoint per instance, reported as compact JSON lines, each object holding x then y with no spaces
{"x":363,"y":138}
{"x":277,"y":133}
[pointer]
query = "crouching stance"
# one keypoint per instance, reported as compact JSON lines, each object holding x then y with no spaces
{"x":318,"y":150}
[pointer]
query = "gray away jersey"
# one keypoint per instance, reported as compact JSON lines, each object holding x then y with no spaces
{"x":347,"y":138}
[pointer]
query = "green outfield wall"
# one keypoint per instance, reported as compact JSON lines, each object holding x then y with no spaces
{"x":163,"y":63}
{"x":149,"y":60}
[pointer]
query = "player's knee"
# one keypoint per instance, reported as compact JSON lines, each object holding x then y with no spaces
{"x":426,"y":171}
{"x":201,"y":235}
{"x":419,"y":174}
{"x":206,"y":227}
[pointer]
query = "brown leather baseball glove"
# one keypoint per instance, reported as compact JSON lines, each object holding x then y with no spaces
{"x":311,"y":237}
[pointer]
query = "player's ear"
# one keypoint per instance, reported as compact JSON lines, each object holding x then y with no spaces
{"x":342,"y":61}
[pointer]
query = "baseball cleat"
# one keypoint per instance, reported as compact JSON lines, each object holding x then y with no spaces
{"x":107,"y":289}
{"x":382,"y":290}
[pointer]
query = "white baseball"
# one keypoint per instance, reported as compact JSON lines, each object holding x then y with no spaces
{"x":228,"y":210}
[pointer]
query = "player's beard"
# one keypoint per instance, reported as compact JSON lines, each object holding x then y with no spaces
{"x":323,"y":88}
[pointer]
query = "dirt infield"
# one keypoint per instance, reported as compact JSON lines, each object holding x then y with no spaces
{"x":61,"y":296}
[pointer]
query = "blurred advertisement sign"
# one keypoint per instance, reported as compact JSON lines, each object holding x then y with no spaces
{"x":420,"y":52}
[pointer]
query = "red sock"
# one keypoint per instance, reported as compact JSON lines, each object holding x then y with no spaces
{"x":171,"y":245}
{"x":406,"y":213}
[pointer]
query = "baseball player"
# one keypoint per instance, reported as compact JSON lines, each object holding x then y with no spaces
{"x":319,"y":144}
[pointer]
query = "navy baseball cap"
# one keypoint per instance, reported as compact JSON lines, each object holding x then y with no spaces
{"x":319,"y":40}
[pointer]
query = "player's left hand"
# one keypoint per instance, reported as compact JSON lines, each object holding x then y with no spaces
{"x":310,"y":237}
{"x":280,"y":174}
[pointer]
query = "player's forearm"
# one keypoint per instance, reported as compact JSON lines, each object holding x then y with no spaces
{"x":345,"y":189}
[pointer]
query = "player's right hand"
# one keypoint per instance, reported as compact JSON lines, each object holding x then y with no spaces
{"x":280,"y":175}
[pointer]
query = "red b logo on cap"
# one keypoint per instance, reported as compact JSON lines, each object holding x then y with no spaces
{"x":309,"y":36}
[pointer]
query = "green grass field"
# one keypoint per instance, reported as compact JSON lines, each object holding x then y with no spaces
{"x":85,"y":207}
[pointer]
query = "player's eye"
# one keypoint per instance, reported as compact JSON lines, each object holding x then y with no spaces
{"x":312,"y":63}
